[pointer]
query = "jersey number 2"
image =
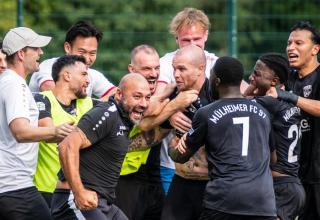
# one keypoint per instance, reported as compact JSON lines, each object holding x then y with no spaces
{"x":293,"y":129}
{"x":245,"y":133}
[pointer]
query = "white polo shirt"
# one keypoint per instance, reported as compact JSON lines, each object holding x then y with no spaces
{"x":17,"y":160}
{"x":99,"y":85}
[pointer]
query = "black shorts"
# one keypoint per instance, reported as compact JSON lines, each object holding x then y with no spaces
{"x":63,"y":207}
{"x":208,"y":214}
{"x":312,"y":206}
{"x":139,"y":200}
{"x":290,"y":196}
{"x":184,"y":199}
{"x":23,"y":204}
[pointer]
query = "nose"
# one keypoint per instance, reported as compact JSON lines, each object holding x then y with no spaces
{"x":40,"y":51}
{"x":144,"y":103}
{"x":251,"y":77}
{"x":154,"y":73}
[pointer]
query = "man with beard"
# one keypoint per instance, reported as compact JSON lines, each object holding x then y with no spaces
{"x":304,"y":80}
{"x":92,"y":155}
{"x":19,"y":132}
{"x":81,"y":39}
{"x":67,"y":102}
{"x":139,"y":191}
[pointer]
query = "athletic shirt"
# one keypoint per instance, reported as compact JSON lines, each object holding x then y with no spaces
{"x":196,"y":168}
{"x":99,"y":85}
{"x":235,"y":132}
{"x":17,"y":160}
{"x":286,"y":134}
{"x":107,"y":127}
{"x":308,"y":87}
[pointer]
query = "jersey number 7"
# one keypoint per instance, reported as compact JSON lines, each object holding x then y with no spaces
{"x":245,"y":133}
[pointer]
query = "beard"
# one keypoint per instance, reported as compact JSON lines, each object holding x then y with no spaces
{"x":129,"y":111}
{"x":80,"y":94}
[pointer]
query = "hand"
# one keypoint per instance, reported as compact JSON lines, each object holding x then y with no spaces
{"x":86,"y":199}
{"x":156,"y":105}
{"x":181,"y":146}
{"x":180,"y":122}
{"x":185,"y":98}
{"x":279,"y":93}
{"x":63,"y":130}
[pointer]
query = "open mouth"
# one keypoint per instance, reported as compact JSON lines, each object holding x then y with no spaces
{"x":292,"y":57}
{"x":137,"y":114}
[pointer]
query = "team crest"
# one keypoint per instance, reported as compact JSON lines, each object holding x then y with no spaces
{"x":307,"y":90}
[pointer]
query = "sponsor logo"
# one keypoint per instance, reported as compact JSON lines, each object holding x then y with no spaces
{"x":112,"y":108}
{"x":307,"y":90}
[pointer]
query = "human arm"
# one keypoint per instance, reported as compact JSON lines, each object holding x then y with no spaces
{"x":310,"y":106}
{"x":24,"y":132}
{"x":69,"y":158}
{"x":47,"y":85}
{"x":191,"y":141}
{"x":183,"y":100}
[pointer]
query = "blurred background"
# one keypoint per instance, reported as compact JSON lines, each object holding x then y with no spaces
{"x":241,"y":28}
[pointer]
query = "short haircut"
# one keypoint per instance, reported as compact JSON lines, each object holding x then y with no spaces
{"x":306,"y":25}
{"x":82,"y":29}
{"x":0,"y":45}
{"x":278,"y":63}
{"x":143,"y":47}
{"x":229,"y":70}
{"x":189,"y":16}
{"x":64,"y":61}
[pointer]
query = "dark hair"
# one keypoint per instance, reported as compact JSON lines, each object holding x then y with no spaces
{"x":278,"y":64}
{"x":83,"y":29}
{"x":66,"y":60}
{"x":0,"y":45}
{"x":306,"y":25}
{"x":229,"y":70}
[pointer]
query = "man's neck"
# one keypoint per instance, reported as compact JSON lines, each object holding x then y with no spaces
{"x":63,"y":95}
{"x":19,"y":70}
{"x":229,"y":92}
{"x":308,"y":68}
{"x":199,"y":84}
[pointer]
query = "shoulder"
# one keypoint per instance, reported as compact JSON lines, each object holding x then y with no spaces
{"x":211,"y":57}
{"x":167,"y":57}
{"x":94,"y":72}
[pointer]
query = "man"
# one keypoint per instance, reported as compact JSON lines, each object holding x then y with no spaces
{"x":67,"y":102}
{"x":189,"y":26}
{"x":81,"y":39}
{"x":235,"y":132}
{"x":273,"y":70}
{"x":3,"y":63}
{"x":19,"y":131}
{"x":304,"y":80}
{"x":189,"y":65}
{"x":139,"y":191}
{"x":91,"y":156}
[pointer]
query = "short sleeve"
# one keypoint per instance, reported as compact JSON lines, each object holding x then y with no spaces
{"x":17,"y":100}
{"x":43,"y":104}
{"x":100,"y":84}
{"x":196,"y":136}
{"x":166,"y":69}
{"x":98,"y":122}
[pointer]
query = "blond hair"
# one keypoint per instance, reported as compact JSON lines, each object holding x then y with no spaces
{"x":189,"y":17}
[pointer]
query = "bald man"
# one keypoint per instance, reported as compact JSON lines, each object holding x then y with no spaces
{"x":91,"y":156}
{"x":189,"y":64}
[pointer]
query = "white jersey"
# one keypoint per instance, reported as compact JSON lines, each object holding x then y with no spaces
{"x":166,"y":76}
{"x":99,"y":85}
{"x":17,"y":160}
{"x":166,"y":69}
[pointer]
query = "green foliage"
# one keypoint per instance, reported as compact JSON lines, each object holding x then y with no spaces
{"x":263,"y":25}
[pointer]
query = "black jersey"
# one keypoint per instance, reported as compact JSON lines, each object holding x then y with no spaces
{"x":204,"y":98}
{"x":107,"y":127}
{"x":308,"y":87}
{"x":286,"y":134}
{"x":236,"y":137}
